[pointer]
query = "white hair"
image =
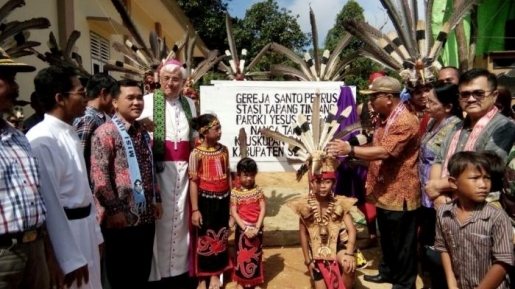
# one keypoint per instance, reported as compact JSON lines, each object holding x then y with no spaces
{"x":171,"y":68}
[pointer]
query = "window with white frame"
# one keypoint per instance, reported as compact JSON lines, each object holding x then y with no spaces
{"x":99,"y":52}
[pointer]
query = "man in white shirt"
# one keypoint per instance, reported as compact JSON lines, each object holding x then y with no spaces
{"x":71,"y":220}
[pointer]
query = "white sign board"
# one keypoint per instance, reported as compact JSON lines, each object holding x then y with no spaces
{"x":262,"y":104}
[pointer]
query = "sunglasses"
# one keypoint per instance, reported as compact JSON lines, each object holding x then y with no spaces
{"x":478,"y":94}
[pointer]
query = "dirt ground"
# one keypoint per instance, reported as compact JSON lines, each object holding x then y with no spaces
{"x":284,"y":266}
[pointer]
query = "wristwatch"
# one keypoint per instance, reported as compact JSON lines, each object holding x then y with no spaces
{"x":351,"y":153}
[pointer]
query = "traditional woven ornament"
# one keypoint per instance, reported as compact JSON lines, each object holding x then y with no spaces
{"x":236,"y":69}
{"x":15,"y":43}
{"x":67,"y":57}
{"x":311,"y":147}
{"x":329,"y":67}
{"x":194,"y":74}
{"x":146,"y":60}
{"x":14,"y":35}
{"x":410,"y":48}
{"x":143,"y":58}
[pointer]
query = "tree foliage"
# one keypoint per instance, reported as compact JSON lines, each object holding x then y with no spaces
{"x":208,"y":18}
{"x":264,"y":23}
{"x":361,"y":67}
{"x":351,"y":10}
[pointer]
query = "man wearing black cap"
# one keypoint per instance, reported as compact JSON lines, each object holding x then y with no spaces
{"x":22,"y":258}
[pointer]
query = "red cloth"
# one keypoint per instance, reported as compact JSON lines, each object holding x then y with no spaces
{"x":369,"y":210}
{"x":249,"y":212}
{"x":423,"y":123}
{"x":330,"y":270}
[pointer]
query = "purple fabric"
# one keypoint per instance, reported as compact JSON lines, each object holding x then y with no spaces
{"x":345,"y":99}
{"x":350,"y":181}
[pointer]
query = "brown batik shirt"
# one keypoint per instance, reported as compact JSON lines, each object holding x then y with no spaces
{"x":393,"y":184}
{"x":110,"y":172}
{"x":474,"y":246}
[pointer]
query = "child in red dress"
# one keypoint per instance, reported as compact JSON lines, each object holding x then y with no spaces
{"x":248,"y":210}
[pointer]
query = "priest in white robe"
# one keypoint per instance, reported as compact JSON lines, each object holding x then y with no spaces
{"x":169,"y":113}
{"x":71,"y":219}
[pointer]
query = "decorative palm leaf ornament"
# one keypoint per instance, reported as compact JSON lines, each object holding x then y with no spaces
{"x":313,"y":138}
{"x":236,"y":68}
{"x":67,"y":57}
{"x":145,"y":60}
{"x":14,"y":35}
{"x":410,"y":48}
{"x":194,"y":74}
{"x":327,"y":68}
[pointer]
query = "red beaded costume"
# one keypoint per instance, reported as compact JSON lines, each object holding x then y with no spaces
{"x":210,"y":167}
{"x":249,"y":252}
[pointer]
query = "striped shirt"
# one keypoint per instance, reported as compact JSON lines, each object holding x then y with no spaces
{"x":85,"y":126}
{"x":484,"y":239}
{"x":21,"y":204}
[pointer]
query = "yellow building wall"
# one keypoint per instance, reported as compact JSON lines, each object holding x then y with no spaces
{"x":96,"y":8}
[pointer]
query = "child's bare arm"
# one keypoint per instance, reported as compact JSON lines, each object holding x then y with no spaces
{"x":494,"y":276}
{"x":196,"y":216}
{"x":304,"y":244}
{"x":262,"y":212}
{"x":449,"y":273}
{"x":351,"y":232}
{"x":236,"y":216}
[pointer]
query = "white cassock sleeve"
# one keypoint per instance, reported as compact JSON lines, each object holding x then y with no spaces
{"x":148,"y":108}
{"x":67,"y":252}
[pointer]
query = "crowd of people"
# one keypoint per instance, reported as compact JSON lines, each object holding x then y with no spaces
{"x":111,"y":186}
{"x":109,"y":189}
{"x":439,"y":179}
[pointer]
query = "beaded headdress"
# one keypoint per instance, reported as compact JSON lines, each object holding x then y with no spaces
{"x":207,"y":127}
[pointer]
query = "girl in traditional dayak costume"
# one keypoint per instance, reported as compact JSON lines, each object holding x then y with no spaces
{"x":210,"y":198}
{"x":327,"y":231}
{"x":248,"y":210}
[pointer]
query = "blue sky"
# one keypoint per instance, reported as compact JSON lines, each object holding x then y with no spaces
{"x":325,"y":12}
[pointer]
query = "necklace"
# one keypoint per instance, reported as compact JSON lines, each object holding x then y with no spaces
{"x":321,"y":219}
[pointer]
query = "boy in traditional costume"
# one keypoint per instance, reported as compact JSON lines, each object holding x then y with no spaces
{"x":327,"y":231}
